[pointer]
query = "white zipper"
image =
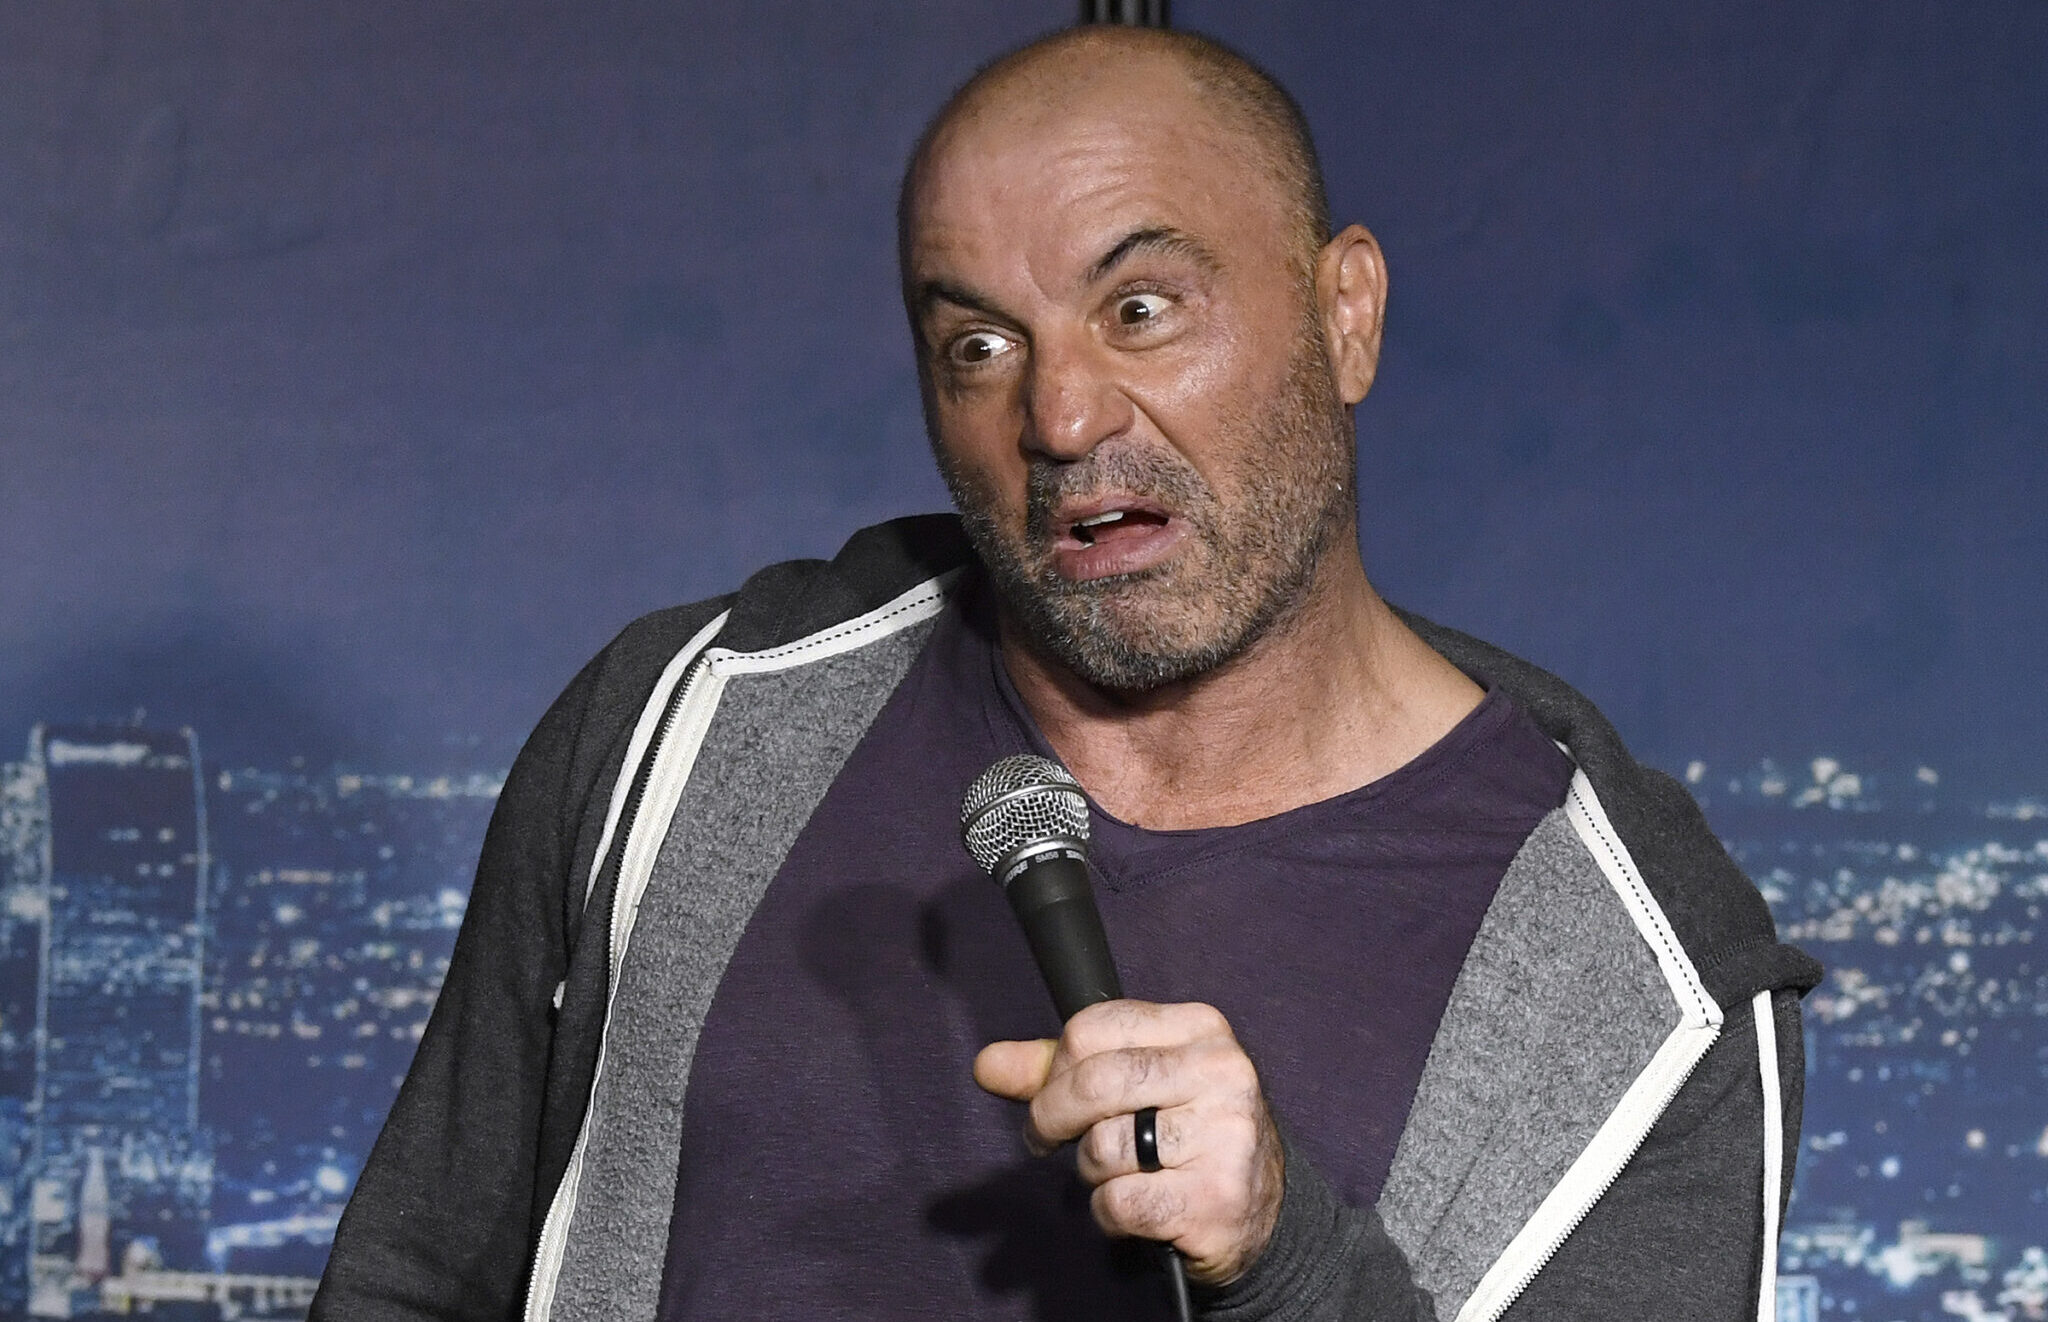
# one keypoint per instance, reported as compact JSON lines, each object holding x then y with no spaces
{"x":674,"y":736}
{"x":1592,"y":1175}
{"x":644,"y":733}
{"x":1626,"y":1128}
{"x":692,"y":706}
{"x":554,"y":1237}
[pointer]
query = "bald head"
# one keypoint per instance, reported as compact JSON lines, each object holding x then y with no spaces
{"x":1046,"y":79}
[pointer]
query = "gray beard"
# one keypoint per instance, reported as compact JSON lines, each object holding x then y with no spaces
{"x":1244,"y":570}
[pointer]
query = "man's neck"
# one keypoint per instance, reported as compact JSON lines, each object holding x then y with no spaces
{"x":1334,"y":697}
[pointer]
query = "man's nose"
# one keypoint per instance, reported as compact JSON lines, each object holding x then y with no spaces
{"x":1073,"y":402}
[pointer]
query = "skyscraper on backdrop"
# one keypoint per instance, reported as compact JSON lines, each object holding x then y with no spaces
{"x":109,"y":823}
{"x":24,"y":849}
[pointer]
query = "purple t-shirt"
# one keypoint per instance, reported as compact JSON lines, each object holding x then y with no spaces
{"x":837,"y":1159}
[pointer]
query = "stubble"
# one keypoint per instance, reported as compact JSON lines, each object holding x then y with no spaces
{"x":1247,"y":563}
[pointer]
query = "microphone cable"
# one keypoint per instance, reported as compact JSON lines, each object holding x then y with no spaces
{"x":1177,"y":1284}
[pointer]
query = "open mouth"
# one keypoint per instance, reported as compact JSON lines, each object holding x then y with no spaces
{"x":1113,"y":525}
{"x":1106,"y":536}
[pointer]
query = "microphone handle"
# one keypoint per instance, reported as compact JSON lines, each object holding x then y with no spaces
{"x":1055,"y":904}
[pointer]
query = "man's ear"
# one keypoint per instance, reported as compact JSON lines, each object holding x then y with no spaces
{"x":1351,"y":295}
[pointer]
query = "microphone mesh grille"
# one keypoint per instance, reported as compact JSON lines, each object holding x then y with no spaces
{"x":1020,"y":801}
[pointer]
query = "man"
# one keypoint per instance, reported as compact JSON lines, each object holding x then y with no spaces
{"x":1443,"y":1005}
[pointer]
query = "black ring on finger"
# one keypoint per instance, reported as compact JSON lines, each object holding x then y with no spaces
{"x":1145,"y":1138}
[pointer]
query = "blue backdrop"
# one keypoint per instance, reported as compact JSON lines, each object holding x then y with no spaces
{"x":363,"y":367}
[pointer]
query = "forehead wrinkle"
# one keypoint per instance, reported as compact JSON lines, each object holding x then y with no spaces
{"x":931,"y":293}
{"x":1105,"y":175}
{"x":1149,"y":149}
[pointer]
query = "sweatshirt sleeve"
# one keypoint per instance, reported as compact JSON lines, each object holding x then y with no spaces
{"x":1679,"y":1236}
{"x":439,"y":1225}
{"x":1326,"y":1261}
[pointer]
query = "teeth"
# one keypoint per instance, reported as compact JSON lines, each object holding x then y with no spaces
{"x":1098,"y":520}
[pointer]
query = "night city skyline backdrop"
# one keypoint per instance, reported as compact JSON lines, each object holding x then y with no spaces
{"x":364,"y":368}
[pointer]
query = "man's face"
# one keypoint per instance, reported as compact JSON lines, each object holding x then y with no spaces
{"x":1126,"y":385}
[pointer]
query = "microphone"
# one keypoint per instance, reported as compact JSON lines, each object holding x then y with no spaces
{"x":1025,"y":821}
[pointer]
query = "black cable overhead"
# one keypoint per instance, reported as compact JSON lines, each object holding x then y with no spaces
{"x":1134,"y":13}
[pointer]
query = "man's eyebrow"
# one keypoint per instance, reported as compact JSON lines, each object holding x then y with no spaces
{"x":1159,"y":239}
{"x":930,"y":293}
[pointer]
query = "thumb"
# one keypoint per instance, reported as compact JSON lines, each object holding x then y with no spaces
{"x":1016,"y":1070}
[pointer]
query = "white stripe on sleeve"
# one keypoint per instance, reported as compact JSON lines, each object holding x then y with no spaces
{"x":1774,"y":1152}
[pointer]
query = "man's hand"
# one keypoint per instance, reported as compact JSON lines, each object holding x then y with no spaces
{"x":1217,"y":1196}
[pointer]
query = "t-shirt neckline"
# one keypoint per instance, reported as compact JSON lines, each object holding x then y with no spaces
{"x":1120,"y":851}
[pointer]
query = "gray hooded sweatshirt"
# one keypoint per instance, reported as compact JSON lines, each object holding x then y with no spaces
{"x":1605,"y":1127}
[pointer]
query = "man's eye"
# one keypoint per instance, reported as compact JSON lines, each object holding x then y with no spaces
{"x":979,"y":347}
{"x":1137,"y":309}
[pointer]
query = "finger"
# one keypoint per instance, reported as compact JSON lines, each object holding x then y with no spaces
{"x":1112,"y":1083}
{"x":1151,"y":1206}
{"x":1016,"y":1070}
{"x":1123,"y":1025}
{"x":1110,"y":1147}
{"x":1106,"y":1086}
{"x":1115,"y":1025}
{"x":1166,"y":1206}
